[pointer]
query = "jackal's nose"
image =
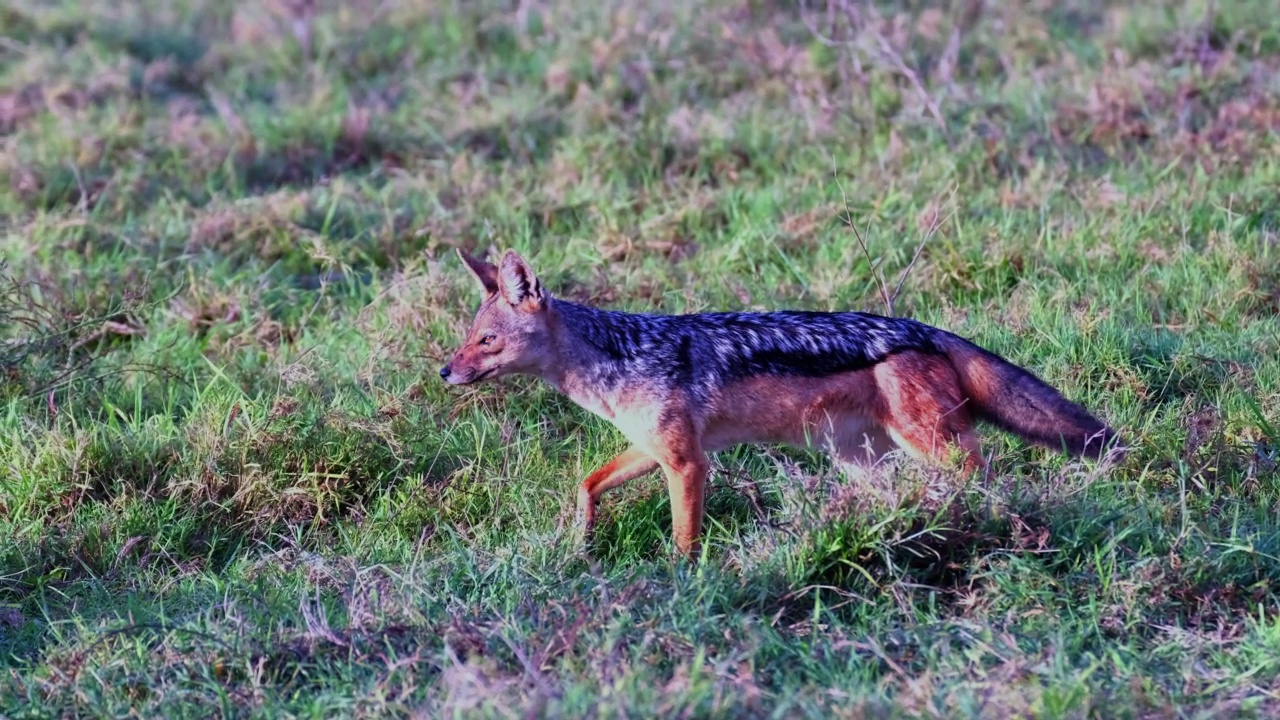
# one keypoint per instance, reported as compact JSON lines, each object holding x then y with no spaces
{"x":444,"y":372}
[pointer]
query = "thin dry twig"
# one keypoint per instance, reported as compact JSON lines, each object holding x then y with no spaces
{"x":858,"y":26}
{"x":883,"y":287}
{"x":905,"y":70}
{"x":530,"y":668}
{"x":47,"y":342}
{"x":934,"y":224}
{"x":848,"y":218}
{"x":108,"y":327}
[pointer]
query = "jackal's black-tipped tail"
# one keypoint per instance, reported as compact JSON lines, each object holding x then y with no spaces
{"x":1014,"y":399}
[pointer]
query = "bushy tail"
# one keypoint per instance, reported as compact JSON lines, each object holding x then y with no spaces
{"x":1015,"y":400}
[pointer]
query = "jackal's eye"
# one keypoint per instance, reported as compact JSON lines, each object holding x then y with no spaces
{"x":487,"y":340}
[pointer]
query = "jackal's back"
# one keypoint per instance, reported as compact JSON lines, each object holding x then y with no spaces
{"x":699,"y":352}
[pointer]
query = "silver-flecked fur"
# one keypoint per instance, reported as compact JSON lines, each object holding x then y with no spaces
{"x":698,"y":353}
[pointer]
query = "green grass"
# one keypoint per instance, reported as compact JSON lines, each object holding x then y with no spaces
{"x":231,"y":483}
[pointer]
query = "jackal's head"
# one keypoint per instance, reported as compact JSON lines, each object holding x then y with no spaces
{"x":510,"y":333}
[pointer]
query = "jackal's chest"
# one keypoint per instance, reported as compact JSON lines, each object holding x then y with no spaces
{"x":599,"y":405}
{"x":634,"y":412}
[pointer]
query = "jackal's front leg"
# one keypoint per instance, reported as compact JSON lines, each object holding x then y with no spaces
{"x":629,"y":465}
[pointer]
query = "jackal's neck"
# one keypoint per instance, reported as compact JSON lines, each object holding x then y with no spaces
{"x":590,"y":350}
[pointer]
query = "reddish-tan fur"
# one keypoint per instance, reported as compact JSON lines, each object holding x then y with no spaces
{"x":926,"y":412}
{"x":911,"y":400}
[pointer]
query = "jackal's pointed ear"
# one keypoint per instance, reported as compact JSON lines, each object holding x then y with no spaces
{"x":517,"y":283}
{"x":485,"y":272}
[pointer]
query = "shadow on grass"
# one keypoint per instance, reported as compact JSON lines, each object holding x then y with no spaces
{"x":136,"y":509}
{"x":239,"y":634}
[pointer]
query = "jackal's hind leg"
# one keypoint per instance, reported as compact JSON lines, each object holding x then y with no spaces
{"x":925,"y":411}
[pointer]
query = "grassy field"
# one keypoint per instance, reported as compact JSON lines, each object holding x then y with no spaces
{"x":231,"y":483}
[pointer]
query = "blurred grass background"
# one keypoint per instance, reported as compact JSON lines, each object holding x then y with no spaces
{"x":231,"y":484}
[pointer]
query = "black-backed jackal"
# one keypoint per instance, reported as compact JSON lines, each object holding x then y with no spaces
{"x":681,"y":386}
